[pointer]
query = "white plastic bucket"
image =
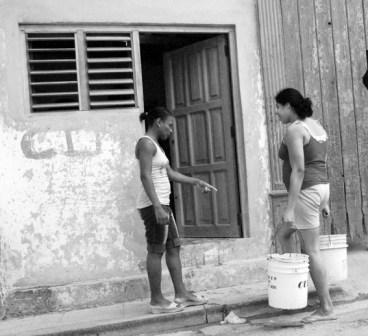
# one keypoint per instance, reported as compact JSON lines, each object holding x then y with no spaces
{"x":288,"y":280}
{"x":334,"y":254}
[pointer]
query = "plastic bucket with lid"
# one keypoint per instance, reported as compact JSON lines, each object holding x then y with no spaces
{"x":288,"y":280}
{"x":334,"y":254}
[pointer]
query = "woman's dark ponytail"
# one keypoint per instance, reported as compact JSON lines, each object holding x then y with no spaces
{"x":302,"y":106}
{"x":151,"y":115}
{"x":306,"y":106}
{"x":143,"y":116}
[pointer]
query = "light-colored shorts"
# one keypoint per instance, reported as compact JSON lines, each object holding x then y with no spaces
{"x":310,"y":202}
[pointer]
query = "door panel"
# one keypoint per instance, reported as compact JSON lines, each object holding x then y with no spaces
{"x":218,"y":143}
{"x":198,"y":93}
{"x":213,"y":76}
{"x":201,"y":153}
{"x":183,"y":141}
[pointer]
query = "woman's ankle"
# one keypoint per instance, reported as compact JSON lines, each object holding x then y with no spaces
{"x":159,"y":300}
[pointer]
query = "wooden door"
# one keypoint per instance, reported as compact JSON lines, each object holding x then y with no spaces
{"x":203,"y":143}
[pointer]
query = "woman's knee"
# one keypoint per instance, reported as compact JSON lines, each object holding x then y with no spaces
{"x":173,"y":251}
{"x":154,"y":254}
{"x":314,"y":256}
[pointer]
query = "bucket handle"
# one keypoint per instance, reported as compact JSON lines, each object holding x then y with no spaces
{"x":326,"y":223}
{"x":273,"y":245}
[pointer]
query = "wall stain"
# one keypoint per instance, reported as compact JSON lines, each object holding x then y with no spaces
{"x":28,"y":174}
{"x":30,"y":140}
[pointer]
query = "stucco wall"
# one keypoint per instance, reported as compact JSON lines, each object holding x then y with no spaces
{"x":68,"y":182}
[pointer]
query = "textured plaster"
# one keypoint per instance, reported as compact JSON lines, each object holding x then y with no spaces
{"x":256,"y":140}
{"x":69,"y":205}
{"x":69,"y":182}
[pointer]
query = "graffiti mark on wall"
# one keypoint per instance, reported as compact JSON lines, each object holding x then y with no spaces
{"x":45,"y":145}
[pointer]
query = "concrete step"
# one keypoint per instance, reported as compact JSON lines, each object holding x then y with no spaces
{"x":134,"y":318}
{"x":41,"y":300}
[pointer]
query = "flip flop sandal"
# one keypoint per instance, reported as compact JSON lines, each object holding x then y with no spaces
{"x":318,"y":318}
{"x":171,"y":308}
{"x":185,"y":302}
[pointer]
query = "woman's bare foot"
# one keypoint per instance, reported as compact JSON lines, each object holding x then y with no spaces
{"x":320,"y":315}
{"x":190,"y":299}
{"x":163,"y":302}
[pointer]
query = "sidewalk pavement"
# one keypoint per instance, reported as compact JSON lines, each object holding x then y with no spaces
{"x":134,"y":318}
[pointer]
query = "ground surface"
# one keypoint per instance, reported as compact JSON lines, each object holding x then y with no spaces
{"x":352,"y":321}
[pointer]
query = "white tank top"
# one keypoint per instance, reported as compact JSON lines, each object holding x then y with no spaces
{"x":159,"y":177}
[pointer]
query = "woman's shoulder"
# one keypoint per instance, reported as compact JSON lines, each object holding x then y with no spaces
{"x":145,"y":144}
{"x":311,"y":122}
{"x":295,"y":131}
{"x":296,"y":127}
{"x":316,"y":128}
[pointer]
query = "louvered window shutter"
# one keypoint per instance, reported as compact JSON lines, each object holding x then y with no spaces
{"x":110,"y":70}
{"x":52,"y":72}
{"x":77,"y":71}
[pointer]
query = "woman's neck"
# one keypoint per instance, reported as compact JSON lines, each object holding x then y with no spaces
{"x":152,"y":134}
{"x":293,"y":118}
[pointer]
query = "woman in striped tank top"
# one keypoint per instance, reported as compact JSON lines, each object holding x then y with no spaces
{"x":304,"y":154}
{"x":153,"y":204}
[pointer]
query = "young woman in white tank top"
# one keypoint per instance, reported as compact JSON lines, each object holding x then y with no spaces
{"x":153,"y":204}
{"x":160,"y":179}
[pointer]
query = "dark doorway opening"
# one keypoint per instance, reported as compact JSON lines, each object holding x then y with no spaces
{"x":153,"y":46}
{"x":204,"y":120}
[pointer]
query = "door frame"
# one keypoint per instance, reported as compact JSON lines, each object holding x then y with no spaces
{"x":229,"y":31}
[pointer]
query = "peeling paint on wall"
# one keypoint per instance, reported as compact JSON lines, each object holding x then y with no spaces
{"x":71,"y":204}
{"x":5,"y":261}
{"x":45,"y":145}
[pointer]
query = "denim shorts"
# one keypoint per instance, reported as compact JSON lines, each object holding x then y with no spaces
{"x":159,"y":237}
{"x":310,"y":202}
